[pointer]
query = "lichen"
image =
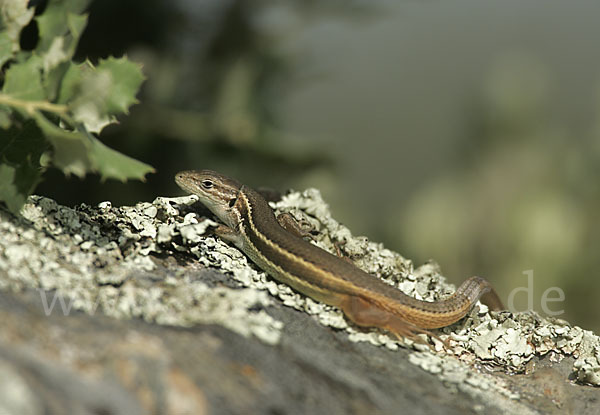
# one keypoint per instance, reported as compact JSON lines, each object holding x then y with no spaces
{"x":97,"y":259}
{"x":499,"y":340}
{"x":102,"y":259}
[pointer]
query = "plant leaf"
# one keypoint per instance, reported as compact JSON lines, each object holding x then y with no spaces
{"x":48,"y":102}
{"x":85,"y":91}
{"x":24,"y":80}
{"x":95,"y":95}
{"x":114,"y":165}
{"x":62,"y":48}
{"x":78,"y":152}
{"x":54,"y":22}
{"x":126,"y":78}
{"x":14,"y":16}
{"x":21,"y":147}
{"x":22,"y":140}
{"x":71,"y":148}
{"x":6,"y":48}
{"x":9,"y":192}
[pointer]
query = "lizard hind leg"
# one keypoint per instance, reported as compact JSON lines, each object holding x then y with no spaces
{"x":290,"y":224}
{"x":366,"y":314}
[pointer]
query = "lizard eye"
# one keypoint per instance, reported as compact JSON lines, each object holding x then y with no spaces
{"x":207,"y":184}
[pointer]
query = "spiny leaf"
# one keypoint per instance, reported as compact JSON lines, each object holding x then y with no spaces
{"x":79,"y":153}
{"x":22,"y":140}
{"x":54,"y":22}
{"x":21,"y":147}
{"x":9,"y":192}
{"x":76,"y":24}
{"x":85,"y":91}
{"x":5,"y":120}
{"x":126,"y":77}
{"x":114,"y":165}
{"x":80,"y":96}
{"x":62,"y":48}
{"x":53,"y":80}
{"x":14,"y":16}
{"x":71,"y":149}
{"x":24,"y":80}
{"x":94,"y":95}
{"x":6,"y":48}
{"x":70,"y":85}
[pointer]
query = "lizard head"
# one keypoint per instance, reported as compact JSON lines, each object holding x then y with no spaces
{"x":214,"y":190}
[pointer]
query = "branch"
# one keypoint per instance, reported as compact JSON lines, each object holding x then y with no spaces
{"x":32,"y":106}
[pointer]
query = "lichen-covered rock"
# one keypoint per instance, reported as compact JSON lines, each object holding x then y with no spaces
{"x":158,"y":263}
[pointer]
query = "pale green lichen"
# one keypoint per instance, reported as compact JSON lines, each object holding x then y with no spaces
{"x":497,"y":340}
{"x":90,"y":254}
{"x":63,"y":249}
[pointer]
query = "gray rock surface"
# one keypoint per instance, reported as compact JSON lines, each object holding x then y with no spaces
{"x":139,"y":310}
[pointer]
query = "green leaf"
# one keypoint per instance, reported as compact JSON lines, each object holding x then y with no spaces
{"x":24,"y":80}
{"x":14,"y":16}
{"x":9,"y":193}
{"x":114,"y":165}
{"x":62,"y":48}
{"x":21,"y":147}
{"x":94,"y":95}
{"x":54,"y":22}
{"x":21,"y":141}
{"x":76,"y":24}
{"x":70,"y":85}
{"x":71,"y":149}
{"x":126,"y":79}
{"x":44,"y":91}
{"x":5,"y":120}
{"x":85,"y":91}
{"x":79,"y":152}
{"x":53,"y":80}
{"x":56,"y":54}
{"x":6,"y":48}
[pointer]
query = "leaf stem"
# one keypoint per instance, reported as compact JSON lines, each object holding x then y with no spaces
{"x":32,"y":106}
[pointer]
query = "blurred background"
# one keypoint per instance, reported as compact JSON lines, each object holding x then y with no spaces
{"x":463,"y":132}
